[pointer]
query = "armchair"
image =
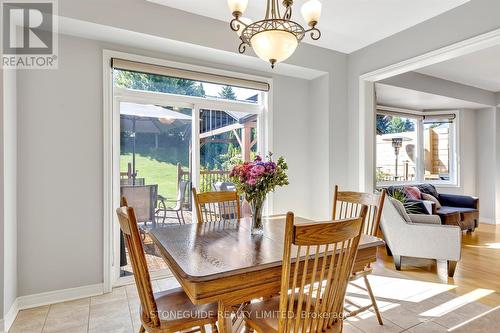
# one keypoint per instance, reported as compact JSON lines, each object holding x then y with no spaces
{"x":420,"y":236}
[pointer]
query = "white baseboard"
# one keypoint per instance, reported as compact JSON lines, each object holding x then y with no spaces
{"x":488,"y":220}
{"x":10,"y":316}
{"x":50,"y":297}
{"x":57,"y":296}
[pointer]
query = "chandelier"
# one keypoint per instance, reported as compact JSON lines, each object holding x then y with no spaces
{"x":276,"y":37}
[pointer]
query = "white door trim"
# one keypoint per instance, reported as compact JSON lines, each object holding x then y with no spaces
{"x":367,"y":102}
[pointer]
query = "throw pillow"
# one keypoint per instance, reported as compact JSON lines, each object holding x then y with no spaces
{"x":429,"y":197}
{"x":413,"y":192}
{"x":429,"y":189}
{"x":415,"y":207}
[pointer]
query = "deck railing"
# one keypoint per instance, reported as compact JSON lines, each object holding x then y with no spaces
{"x":207,"y":178}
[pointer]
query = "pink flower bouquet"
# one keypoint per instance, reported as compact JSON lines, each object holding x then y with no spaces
{"x":256,"y":179}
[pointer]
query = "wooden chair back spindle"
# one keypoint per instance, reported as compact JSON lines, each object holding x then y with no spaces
{"x":347,"y":204}
{"x":217,"y":206}
{"x":128,"y":225}
{"x":329,"y":249}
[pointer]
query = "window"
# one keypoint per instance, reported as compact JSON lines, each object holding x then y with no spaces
{"x":175,"y":133}
{"x":416,"y":148}
{"x":438,"y":153}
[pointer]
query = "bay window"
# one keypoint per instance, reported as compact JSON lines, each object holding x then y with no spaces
{"x":416,"y":147}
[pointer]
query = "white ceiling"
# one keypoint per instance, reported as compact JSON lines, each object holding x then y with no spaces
{"x":417,"y":100}
{"x":346,"y":25}
{"x":479,"y":69}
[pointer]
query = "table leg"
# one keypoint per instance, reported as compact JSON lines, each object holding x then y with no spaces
{"x":224,"y":318}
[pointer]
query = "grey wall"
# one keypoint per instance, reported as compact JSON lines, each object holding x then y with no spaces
{"x":487,"y":162}
{"x":2,"y":182}
{"x":60,"y":171}
{"x":10,"y":189}
{"x":469,"y":20}
{"x":437,"y":86}
{"x":497,"y":168}
{"x":290,"y":135}
{"x":8,"y":175}
{"x":316,"y":163}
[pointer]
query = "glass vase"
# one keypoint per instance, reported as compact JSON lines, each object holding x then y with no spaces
{"x":257,"y":205}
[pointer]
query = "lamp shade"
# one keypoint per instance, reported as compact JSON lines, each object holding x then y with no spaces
{"x":237,"y":5}
{"x":311,"y":11}
{"x":274,"y":45}
{"x":245,"y":20}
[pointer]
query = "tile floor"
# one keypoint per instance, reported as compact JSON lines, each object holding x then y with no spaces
{"x":406,"y":305}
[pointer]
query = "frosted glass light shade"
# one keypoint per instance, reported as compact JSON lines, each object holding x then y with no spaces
{"x":311,"y":11}
{"x":245,"y":20}
{"x":237,"y":5}
{"x":274,"y":45}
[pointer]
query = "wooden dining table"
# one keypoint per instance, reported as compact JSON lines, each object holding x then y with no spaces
{"x":223,"y":262}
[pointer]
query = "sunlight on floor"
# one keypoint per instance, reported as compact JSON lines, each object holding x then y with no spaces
{"x":495,"y":246}
{"x":456,"y":303}
{"x":475,"y":319}
{"x":405,"y":289}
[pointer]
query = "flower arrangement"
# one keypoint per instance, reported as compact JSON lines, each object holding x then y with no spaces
{"x":256,"y":179}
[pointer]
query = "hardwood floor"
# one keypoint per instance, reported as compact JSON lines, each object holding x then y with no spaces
{"x":479,"y":268}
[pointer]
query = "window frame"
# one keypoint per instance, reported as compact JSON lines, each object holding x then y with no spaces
{"x":454,"y":164}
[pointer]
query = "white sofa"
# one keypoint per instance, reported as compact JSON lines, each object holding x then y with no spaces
{"x":420,"y":236}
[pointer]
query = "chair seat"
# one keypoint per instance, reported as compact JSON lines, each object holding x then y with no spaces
{"x":263,"y":316}
{"x":177,"y":312}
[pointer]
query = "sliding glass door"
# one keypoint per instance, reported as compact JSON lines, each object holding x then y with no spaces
{"x":167,"y":143}
{"x":155,"y":170}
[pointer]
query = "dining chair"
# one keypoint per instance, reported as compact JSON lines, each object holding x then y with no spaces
{"x":347,"y":204}
{"x":168,"y":311}
{"x":327,"y":251}
{"x":217,"y":206}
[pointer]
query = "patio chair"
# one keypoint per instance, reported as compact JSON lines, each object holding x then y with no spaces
{"x":217,"y":206}
{"x":177,"y":207}
{"x":349,"y":205}
{"x":223,"y":186}
{"x":144,"y":200}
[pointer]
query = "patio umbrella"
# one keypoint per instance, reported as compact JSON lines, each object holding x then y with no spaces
{"x":141,"y":119}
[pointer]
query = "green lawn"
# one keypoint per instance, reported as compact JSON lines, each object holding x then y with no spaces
{"x":155,"y":172}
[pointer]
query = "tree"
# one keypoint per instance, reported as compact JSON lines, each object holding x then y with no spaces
{"x":386,"y":125}
{"x":382,"y":124}
{"x":227,"y":92}
{"x":160,"y":83}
